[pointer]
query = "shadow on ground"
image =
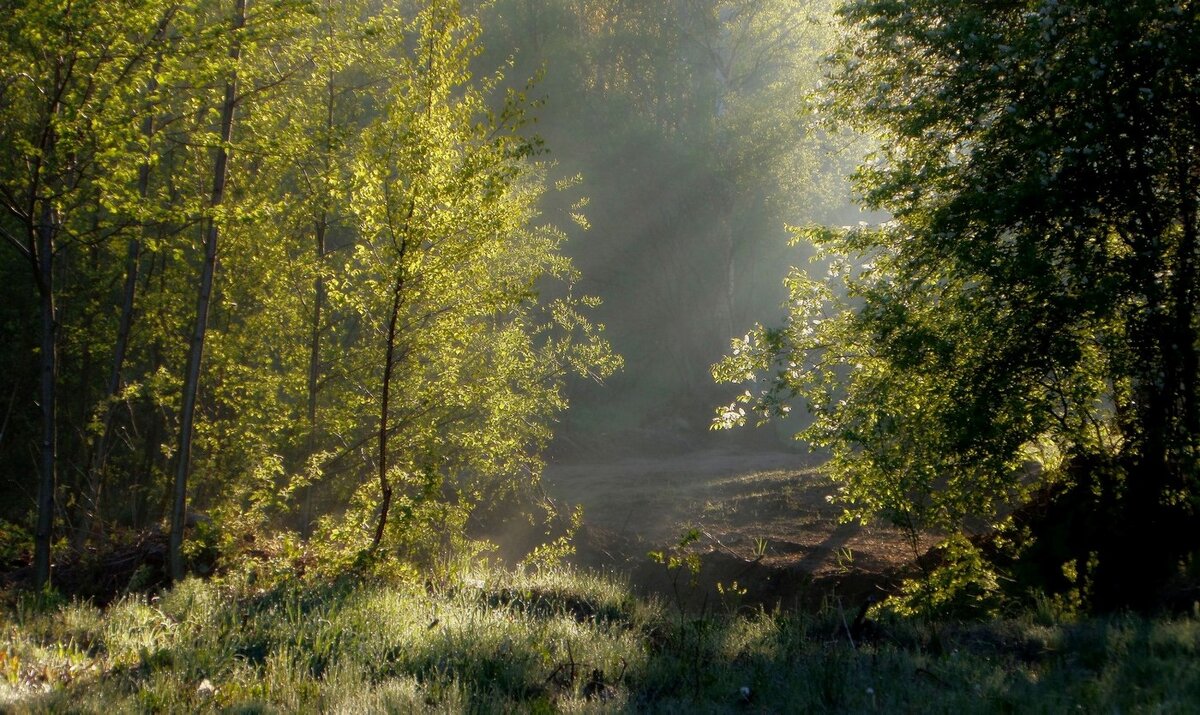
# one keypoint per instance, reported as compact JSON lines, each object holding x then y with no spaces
{"x":763,"y":520}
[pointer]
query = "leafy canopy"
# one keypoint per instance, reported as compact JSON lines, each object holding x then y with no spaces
{"x":1034,"y":295}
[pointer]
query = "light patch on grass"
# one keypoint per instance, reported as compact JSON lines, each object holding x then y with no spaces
{"x":564,"y":641}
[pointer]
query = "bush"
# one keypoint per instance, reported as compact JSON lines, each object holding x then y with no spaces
{"x":960,"y":585}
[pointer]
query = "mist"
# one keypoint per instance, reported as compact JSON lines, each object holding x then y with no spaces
{"x":378,"y":356}
{"x":694,"y":129}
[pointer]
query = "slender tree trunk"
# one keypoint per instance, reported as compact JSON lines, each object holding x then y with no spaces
{"x":730,"y":275}
{"x":314,"y":358}
{"x":143,"y":483}
{"x":8,"y":410}
{"x":385,"y":486}
{"x":192,"y":378}
{"x":1185,"y":309}
{"x":133,"y":257}
{"x":42,"y":245}
{"x":724,"y":203}
{"x":98,"y":455}
{"x":49,"y":369}
{"x":314,"y":367}
{"x":400,"y":241}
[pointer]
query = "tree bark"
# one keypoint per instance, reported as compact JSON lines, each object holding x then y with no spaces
{"x":195,"y":354}
{"x":314,"y":357}
{"x":43,"y":535}
{"x":41,"y":251}
{"x":385,"y":486}
{"x":133,"y":257}
{"x":314,"y":367}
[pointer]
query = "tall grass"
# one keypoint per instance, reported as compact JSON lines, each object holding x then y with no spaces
{"x":561,"y":640}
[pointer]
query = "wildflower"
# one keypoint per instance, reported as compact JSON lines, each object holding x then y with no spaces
{"x":205,"y":689}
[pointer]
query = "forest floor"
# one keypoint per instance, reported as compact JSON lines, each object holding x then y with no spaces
{"x":560,"y":640}
{"x":259,"y":638}
{"x":764,"y":519}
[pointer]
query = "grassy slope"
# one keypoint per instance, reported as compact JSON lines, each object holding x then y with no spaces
{"x":563,"y":641}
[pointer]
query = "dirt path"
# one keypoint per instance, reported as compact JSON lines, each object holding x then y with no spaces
{"x":764,"y":518}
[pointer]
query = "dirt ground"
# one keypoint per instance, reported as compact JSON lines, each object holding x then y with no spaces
{"x":764,"y":519}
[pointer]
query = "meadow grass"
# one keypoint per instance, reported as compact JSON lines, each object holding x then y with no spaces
{"x":563,"y":641}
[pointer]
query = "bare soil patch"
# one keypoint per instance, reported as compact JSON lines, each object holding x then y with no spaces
{"x":765,"y":520}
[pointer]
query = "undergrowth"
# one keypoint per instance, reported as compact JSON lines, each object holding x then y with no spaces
{"x":562,"y":640}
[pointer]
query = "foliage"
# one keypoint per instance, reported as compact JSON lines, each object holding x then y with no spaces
{"x":1028,"y":316}
{"x":690,"y":124}
{"x":561,"y":641}
{"x":15,"y":544}
{"x":373,"y":179}
{"x":554,"y":552}
{"x":679,"y":559}
{"x":959,"y":585}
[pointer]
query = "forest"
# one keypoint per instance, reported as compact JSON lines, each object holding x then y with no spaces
{"x":599,"y":355}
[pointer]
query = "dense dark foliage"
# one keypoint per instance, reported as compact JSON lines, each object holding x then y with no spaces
{"x":1029,"y":317}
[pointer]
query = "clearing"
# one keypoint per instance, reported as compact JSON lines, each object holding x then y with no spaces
{"x":764,"y":520}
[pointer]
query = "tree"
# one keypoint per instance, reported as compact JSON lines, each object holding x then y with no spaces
{"x":100,"y":439}
{"x":364,"y":238}
{"x":68,"y":74}
{"x":470,"y":364}
{"x":688,"y":122}
{"x":247,"y":326}
{"x":753,"y":59}
{"x":1034,"y":296}
{"x":207,"y":273}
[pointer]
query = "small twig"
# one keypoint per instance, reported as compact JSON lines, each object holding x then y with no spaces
{"x":717,"y":541}
{"x":553,"y":673}
{"x":570,"y":668}
{"x":12,"y":400}
{"x":842,"y":613}
{"x":571,"y":658}
{"x":750,"y":563}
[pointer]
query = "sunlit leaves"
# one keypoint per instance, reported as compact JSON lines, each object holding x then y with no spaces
{"x":444,"y":196}
{"x":1033,"y":158}
{"x":359,"y":122}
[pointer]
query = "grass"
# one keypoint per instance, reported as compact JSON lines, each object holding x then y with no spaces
{"x":564,"y":641}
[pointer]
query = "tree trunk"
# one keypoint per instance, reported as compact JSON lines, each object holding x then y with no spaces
{"x":314,"y":358}
{"x":314,"y":369}
{"x":1185,"y":310}
{"x":385,"y":486}
{"x":41,"y":251}
{"x":49,"y":368}
{"x":723,"y":203}
{"x":133,"y":257}
{"x":729,"y":246}
{"x":192,"y":378}
{"x":1153,"y":530}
